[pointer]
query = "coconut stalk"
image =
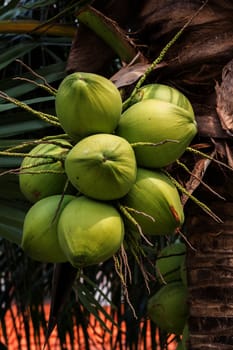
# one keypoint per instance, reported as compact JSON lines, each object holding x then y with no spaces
{"x":48,"y":118}
{"x":111,"y":33}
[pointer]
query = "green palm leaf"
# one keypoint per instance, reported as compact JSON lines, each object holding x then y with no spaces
{"x":18,"y":50}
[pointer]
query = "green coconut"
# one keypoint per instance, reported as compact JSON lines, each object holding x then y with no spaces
{"x":154,"y":203}
{"x":40,"y":240}
{"x":87,"y":103}
{"x":41,"y":177}
{"x":89,"y":231}
{"x":165,"y":93}
{"x":102,"y":166}
{"x":160,"y":131}
{"x":169,"y":261}
{"x":168,"y":307}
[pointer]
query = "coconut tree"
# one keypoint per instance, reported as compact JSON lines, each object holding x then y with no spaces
{"x":186,"y":45}
{"x":200,"y":65}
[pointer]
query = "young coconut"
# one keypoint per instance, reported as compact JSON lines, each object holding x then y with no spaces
{"x":159,"y":131}
{"x":90,"y":231}
{"x":168,"y":307}
{"x":86,"y":104}
{"x":163,"y":93}
{"x":154,"y":203}
{"x":169,"y":261}
{"x":102,"y":166}
{"x":41,"y":175}
{"x":40,"y":240}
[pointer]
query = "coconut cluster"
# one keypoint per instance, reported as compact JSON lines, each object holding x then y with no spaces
{"x":111,"y":167}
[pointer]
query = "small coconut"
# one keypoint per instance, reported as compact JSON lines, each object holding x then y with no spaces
{"x":102,"y":166}
{"x":159,"y":131}
{"x":154,"y":202}
{"x":90,"y":231}
{"x":168,"y":307}
{"x":87,"y":103}
{"x":41,"y":174}
{"x":40,"y":240}
{"x":169,"y":261}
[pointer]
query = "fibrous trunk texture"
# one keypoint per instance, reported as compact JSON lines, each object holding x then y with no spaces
{"x":210,"y":278}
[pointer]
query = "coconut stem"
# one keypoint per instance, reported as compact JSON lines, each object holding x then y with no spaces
{"x":119,"y":270}
{"x":199,"y":179}
{"x":18,"y":171}
{"x":197,"y":152}
{"x":152,"y":144}
{"x":46,"y":139}
{"x":126,"y":211}
{"x":132,"y":210}
{"x":60,"y":201}
{"x":21,"y":154}
{"x":186,"y":240}
{"x":138,"y":253}
{"x":48,"y":118}
{"x":43,"y":172}
{"x":45,"y":86}
{"x":194,"y":199}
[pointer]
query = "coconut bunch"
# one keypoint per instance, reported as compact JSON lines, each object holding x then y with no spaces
{"x":112,"y":169}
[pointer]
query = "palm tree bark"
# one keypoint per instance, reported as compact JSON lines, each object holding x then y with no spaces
{"x":210,"y":277}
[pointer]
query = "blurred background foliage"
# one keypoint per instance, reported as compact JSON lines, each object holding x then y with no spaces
{"x":25,"y":284}
{"x":35,"y":39}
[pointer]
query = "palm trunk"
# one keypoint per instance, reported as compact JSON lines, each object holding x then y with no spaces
{"x":210,"y":278}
